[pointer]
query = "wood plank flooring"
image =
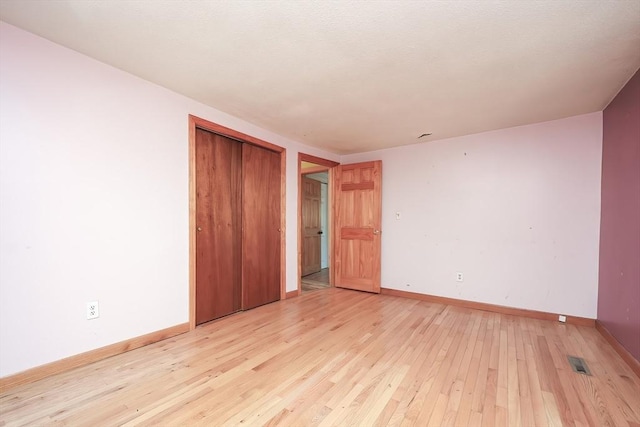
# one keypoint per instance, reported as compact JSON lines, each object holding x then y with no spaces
{"x":337,"y":357}
{"x":316,"y":281}
{"x":320,"y":276}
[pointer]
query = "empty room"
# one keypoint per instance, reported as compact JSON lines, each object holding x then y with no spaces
{"x":320,"y":213}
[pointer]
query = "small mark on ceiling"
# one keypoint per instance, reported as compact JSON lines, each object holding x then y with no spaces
{"x":425,"y":134}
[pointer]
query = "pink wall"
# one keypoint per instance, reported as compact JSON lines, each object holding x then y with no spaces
{"x":103,"y":218}
{"x":516,"y":210}
{"x":619,"y":276}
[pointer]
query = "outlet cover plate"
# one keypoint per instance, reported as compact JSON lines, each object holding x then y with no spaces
{"x":93,"y":310}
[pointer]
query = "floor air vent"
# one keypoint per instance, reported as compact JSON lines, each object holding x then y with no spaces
{"x":579,"y":365}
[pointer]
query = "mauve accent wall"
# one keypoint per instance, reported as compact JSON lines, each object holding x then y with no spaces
{"x":619,"y":276}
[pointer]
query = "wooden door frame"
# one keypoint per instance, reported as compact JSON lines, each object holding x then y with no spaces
{"x":325,"y":165}
{"x":197,"y":122}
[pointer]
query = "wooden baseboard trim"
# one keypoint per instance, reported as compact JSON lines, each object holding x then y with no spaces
{"x":633,"y":363}
{"x":43,"y":371}
{"x":292,"y":294}
{"x":581,"y":321}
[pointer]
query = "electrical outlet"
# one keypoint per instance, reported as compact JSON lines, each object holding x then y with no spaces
{"x":93,"y":310}
{"x":459,"y":277}
{"x":562,"y":318}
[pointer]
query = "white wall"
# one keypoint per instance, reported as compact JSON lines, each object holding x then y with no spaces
{"x":324,"y":223}
{"x":94,"y":202}
{"x":515,"y":210}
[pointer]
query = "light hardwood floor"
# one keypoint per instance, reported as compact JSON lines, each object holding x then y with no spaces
{"x":338,"y":357}
{"x":316,"y":281}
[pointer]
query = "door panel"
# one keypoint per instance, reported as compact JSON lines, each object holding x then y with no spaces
{"x":358,"y":216}
{"x":218,"y":187}
{"x":311,"y":227}
{"x":261,"y":226}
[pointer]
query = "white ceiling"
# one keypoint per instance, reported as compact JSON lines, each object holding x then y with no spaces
{"x":352,"y":76}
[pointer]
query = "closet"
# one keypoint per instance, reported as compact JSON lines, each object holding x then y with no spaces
{"x":237,"y":213}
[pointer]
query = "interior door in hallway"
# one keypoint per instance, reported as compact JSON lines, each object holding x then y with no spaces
{"x":311,"y":226}
{"x":218,"y":221}
{"x":261,"y":227}
{"x":358,"y":216}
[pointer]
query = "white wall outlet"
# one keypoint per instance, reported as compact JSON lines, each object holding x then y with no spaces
{"x":562,"y":318}
{"x":93,"y":310}
{"x":459,"y":277}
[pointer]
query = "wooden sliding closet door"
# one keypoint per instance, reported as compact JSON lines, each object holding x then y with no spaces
{"x":218,"y":226}
{"x":261,"y":226}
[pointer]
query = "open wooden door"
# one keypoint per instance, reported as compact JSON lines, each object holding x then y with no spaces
{"x":311,"y":227}
{"x":357,"y":219}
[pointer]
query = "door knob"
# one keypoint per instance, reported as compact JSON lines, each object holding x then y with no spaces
{"x":376,"y":231}
{"x":319,"y":232}
{"x":199,"y":228}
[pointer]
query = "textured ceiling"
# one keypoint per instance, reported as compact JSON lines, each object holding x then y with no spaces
{"x":352,"y":76}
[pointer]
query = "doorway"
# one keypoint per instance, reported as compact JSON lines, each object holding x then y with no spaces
{"x":315,"y":231}
{"x":354,"y":222}
{"x":314,"y":254}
